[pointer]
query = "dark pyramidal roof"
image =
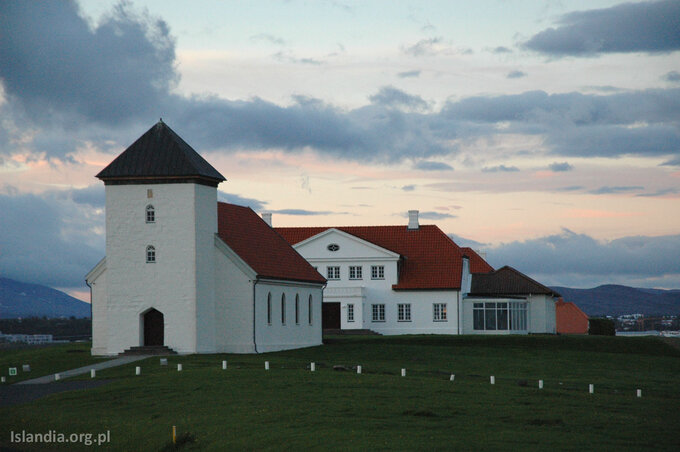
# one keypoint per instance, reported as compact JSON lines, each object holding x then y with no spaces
{"x":160,"y":155}
{"x":507,"y":281}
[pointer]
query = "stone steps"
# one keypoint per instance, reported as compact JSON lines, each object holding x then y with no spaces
{"x":148,"y":350}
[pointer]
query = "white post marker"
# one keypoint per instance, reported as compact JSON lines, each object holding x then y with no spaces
{"x":403,"y":372}
{"x":93,"y":373}
{"x":179,"y":367}
{"x":358,"y":369}
{"x":452,"y":377}
{"x":164,"y":361}
{"x":492,"y":380}
{"x":56,"y":377}
{"x":2,"y":380}
{"x":138,"y":370}
{"x":224,"y":365}
{"x":639,"y":392}
{"x":266,"y":365}
{"x":312,"y":366}
{"x":540,"y":384}
{"x":591,"y":389}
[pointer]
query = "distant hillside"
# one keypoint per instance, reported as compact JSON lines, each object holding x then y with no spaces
{"x":18,"y":299}
{"x":617,"y":300}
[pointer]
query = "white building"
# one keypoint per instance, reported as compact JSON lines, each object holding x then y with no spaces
{"x":415,"y":280}
{"x":186,"y":272}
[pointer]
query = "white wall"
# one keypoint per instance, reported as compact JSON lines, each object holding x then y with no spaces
{"x":205,"y":213}
{"x":169,"y":284}
{"x":233,"y":306}
{"x":282,"y":336}
{"x":98,"y":286}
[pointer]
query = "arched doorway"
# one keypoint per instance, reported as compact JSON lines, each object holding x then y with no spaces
{"x":153,"y":325}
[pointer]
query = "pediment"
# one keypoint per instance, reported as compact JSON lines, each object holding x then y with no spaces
{"x":336,"y":244}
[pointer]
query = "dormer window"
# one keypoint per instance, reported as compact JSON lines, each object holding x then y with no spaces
{"x":150,"y":254}
{"x":150,"y":214}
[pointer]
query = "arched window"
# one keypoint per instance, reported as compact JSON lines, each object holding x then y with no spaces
{"x":150,"y":214}
{"x":283,"y":309}
{"x":297,"y":309}
{"x":269,"y":308}
{"x":309,"y":309}
{"x":150,"y":254}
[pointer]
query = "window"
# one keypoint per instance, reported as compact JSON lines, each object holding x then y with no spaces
{"x":404,"y":312}
{"x":309,"y":309}
{"x":350,"y":313}
{"x":500,"y":316}
{"x":297,"y":309}
{"x":439,"y":312}
{"x":149,"y":193}
{"x":150,"y":214}
{"x":378,"y":312}
{"x":355,"y":272}
{"x":333,"y":247}
{"x":377,"y":272}
{"x":333,"y":272}
{"x":283,"y":309}
{"x":150,"y":254}
{"x":269,"y":309}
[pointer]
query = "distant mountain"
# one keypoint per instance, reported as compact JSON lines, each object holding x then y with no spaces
{"x":18,"y":299}
{"x":618,"y":300}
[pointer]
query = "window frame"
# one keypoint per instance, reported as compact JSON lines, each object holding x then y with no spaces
{"x":269,"y":309}
{"x":283,"y":308}
{"x":439,"y":312}
{"x":310,"y":305}
{"x":150,"y":214}
{"x":378,"y":313}
{"x":335,"y":269}
{"x":505,"y":316}
{"x":356,"y":272}
{"x":377,"y":272}
{"x":150,"y":254}
{"x":404,"y":312}
{"x":350,"y":312}
{"x":297,"y":309}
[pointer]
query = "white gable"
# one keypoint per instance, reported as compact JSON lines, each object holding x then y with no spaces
{"x":334,"y":244}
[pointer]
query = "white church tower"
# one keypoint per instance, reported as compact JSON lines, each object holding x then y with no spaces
{"x":158,"y":274}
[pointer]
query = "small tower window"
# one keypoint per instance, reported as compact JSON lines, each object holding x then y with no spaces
{"x":150,"y":254}
{"x":150,"y":214}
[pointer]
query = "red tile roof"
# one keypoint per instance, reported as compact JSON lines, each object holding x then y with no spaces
{"x":570,"y":319}
{"x":261,"y":247}
{"x":430,"y":259}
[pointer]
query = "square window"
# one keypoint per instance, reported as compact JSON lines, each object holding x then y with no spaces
{"x":404,"y":312}
{"x":333,"y":272}
{"x":355,"y":272}
{"x":377,"y":272}
{"x":439,"y":312}
{"x":378,"y":311}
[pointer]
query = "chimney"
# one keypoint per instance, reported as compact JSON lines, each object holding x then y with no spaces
{"x":267,"y":217}
{"x":413,"y":220}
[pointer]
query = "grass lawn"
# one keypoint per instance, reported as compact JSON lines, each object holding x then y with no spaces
{"x":289,"y":407}
{"x":44,"y":360}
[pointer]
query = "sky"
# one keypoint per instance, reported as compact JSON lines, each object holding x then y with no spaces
{"x":544,"y":133}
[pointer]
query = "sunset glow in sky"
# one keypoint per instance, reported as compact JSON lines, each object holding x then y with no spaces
{"x":546,"y":133}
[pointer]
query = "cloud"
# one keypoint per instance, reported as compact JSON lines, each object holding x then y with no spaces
{"x":268,"y":37}
{"x":430,"y":215}
{"x":303,"y":212}
{"x":516,"y":74}
{"x":606,"y":190}
{"x":672,"y":162}
{"x":658,"y":193}
{"x":49,"y":239}
{"x":231,"y":198}
{"x":408,"y":187}
{"x":93,"y":196}
{"x":427,"y":165}
{"x":578,"y":260}
{"x":432,"y":47}
{"x":389,"y":96}
{"x":631,"y":27}
{"x":501,"y":49}
{"x":560,"y":167}
{"x":409,"y":74}
{"x":672,"y":76}
{"x":500,"y":168}
{"x":571,"y":188}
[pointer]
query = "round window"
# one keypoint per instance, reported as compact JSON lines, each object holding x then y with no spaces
{"x":333,"y":247}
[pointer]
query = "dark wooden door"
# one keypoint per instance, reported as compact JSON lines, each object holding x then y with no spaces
{"x":330,"y":319}
{"x":153,"y":328}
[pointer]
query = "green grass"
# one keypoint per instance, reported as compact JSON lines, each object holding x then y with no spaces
{"x":289,"y":407}
{"x":44,"y":360}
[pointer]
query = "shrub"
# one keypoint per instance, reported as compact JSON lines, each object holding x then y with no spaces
{"x":601,"y":327}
